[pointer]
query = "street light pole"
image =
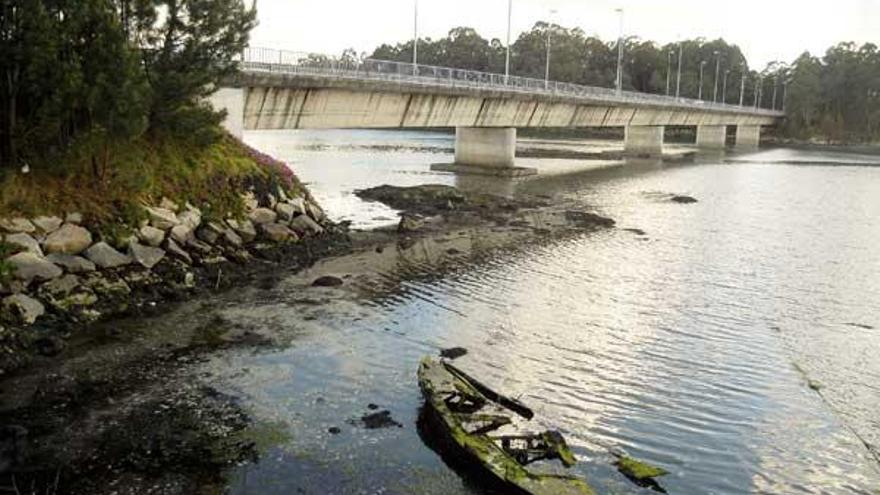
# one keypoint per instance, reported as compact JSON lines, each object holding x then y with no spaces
{"x":724,"y":87}
{"x":775,"y":85}
{"x":758,"y":91}
{"x":742,"y":87}
{"x":702,"y":66}
{"x":507,"y":58}
{"x":717,"y":70}
{"x":620,"y":54}
{"x":784,"y":89}
{"x":678,"y":77}
{"x":416,"y":37}
{"x":547,"y":64}
{"x":668,"y":70}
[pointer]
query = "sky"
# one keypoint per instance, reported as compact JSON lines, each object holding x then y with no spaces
{"x":766,"y":30}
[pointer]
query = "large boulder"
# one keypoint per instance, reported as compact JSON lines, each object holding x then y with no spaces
{"x":25,"y":242}
{"x":177,"y":252}
{"x":304,"y":225}
{"x":146,"y":256}
{"x":210,"y":232}
{"x":262,"y":216}
{"x":28,"y":266}
{"x":244,"y":228}
{"x":182,"y":233}
{"x":47,"y":225}
{"x":151,"y":236}
{"x":71,"y":263}
{"x":104,"y":256}
{"x":162,"y":218}
{"x":60,"y":287}
{"x":22,"y":309}
{"x":277,"y":233}
{"x":285,"y":211}
{"x":69,"y":239}
{"x":191,"y":217}
{"x":315,"y":211}
{"x":231,"y":238}
{"x":17,"y":225}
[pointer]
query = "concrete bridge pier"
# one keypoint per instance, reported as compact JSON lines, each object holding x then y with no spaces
{"x":485,"y":151}
{"x":643,"y":141}
{"x":748,"y":137}
{"x":711,"y":136}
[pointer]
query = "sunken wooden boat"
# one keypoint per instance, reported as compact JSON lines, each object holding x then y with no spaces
{"x":469,"y":414}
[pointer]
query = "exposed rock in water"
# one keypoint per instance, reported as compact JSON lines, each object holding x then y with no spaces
{"x":409,"y":223}
{"x":334,"y":430}
{"x":23,"y":309}
{"x":586,"y":219}
{"x":861,"y":325}
{"x":29,"y":266}
{"x":69,"y":239}
{"x":683,"y":199}
{"x":327,"y":281}
{"x":377,"y":420}
{"x":636,"y":231}
{"x":453,"y":352}
{"x":104,"y":256}
{"x":641,"y":473}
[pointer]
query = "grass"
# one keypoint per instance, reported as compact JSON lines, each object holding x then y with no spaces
{"x":143,"y":171}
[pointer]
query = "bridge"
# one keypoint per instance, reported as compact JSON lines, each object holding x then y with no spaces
{"x":290,"y":90}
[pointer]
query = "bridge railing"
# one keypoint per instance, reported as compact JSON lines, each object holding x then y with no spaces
{"x":290,"y":62}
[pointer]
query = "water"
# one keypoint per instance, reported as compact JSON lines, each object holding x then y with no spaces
{"x":692,"y":347}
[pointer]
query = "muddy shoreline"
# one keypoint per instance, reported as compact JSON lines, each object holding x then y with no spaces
{"x":122,"y":411}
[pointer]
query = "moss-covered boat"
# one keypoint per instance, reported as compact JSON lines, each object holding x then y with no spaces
{"x":468,"y":412}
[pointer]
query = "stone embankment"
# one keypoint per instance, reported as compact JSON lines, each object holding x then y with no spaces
{"x":57,"y":273}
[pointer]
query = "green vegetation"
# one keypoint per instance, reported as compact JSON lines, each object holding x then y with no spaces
{"x":103,"y":105}
{"x":835,"y":98}
{"x":638,"y":470}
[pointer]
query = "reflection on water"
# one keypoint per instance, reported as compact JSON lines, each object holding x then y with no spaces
{"x":678,"y":346}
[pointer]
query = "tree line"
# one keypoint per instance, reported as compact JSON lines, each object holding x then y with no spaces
{"x":835,"y":97}
{"x":83,"y":74}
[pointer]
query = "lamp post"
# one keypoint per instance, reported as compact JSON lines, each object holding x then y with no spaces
{"x":724,"y":87}
{"x":784,"y":90}
{"x":775,"y":85}
{"x":678,"y":77}
{"x":620,"y":54}
{"x":717,"y":70}
{"x":702,"y":66}
{"x":507,"y":57}
{"x":758,"y":91}
{"x":547,"y":60}
{"x":668,"y":70}
{"x":415,"y":37}
{"x":742,"y":87}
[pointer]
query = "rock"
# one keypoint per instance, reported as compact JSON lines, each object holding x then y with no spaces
{"x":61,"y":287}
{"x":189,"y":280}
{"x":22,"y":309}
{"x":231,"y":238}
{"x":381,"y":419}
{"x":162,"y":218}
{"x":17,"y":225}
{"x":315,"y":211}
{"x":299,"y":205}
{"x":109,"y":288}
{"x":334,"y":430}
{"x":453,"y":352}
{"x":182,"y":233}
{"x":26,"y":242}
{"x":636,"y":231}
{"x":29,"y":266}
{"x":151,"y":236}
{"x":47,"y":225}
{"x":304,"y":225}
{"x":285,"y":212}
{"x":262,"y":216}
{"x":209,"y":233}
{"x":69,"y":239}
{"x":199,"y":246}
{"x":177,"y":252}
{"x":244,"y":228}
{"x":250,"y":201}
{"x":104,"y":256}
{"x":282,"y":196}
{"x":277,"y":232}
{"x":586,"y":219}
{"x":327,"y":281}
{"x":75,"y":218}
{"x":683,"y":199}
{"x":71,"y":263}
{"x":167,"y":204}
{"x":191,"y":217}
{"x":409,"y":223}
{"x":146,"y":256}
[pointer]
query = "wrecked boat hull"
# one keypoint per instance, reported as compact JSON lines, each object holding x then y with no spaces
{"x":438,"y":383}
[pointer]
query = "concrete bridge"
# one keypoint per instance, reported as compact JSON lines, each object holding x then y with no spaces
{"x":288,"y":90}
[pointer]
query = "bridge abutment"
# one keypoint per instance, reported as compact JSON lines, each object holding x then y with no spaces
{"x":643,"y":141}
{"x":711,"y":136}
{"x":485,"y":151}
{"x":748,"y":137}
{"x":231,"y":100}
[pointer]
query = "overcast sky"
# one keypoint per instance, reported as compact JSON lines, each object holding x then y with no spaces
{"x":766,"y":30}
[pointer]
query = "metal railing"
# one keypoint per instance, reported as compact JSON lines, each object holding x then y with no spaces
{"x":289,"y":62}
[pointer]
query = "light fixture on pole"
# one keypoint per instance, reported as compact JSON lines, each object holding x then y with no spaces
{"x":619,"y":83}
{"x":678,"y":77}
{"x":668,"y":70}
{"x":415,"y":37}
{"x":724,"y":87}
{"x":742,"y":87}
{"x":507,"y":58}
{"x":717,"y":71}
{"x":702,"y":66}
{"x":547,"y":59}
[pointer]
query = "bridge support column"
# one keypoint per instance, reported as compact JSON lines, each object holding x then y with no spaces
{"x":711,"y":136}
{"x":231,"y":100}
{"x":748,"y":137}
{"x":643,"y":141}
{"x":485,"y":151}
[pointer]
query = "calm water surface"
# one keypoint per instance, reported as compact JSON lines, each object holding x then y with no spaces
{"x":691,"y":347}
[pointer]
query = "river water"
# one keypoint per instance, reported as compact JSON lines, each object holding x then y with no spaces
{"x":736,"y":343}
